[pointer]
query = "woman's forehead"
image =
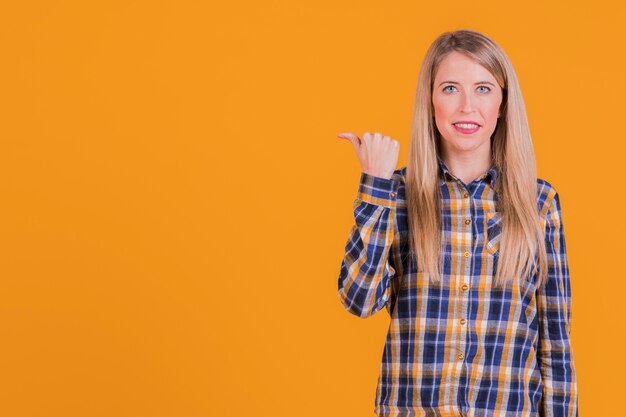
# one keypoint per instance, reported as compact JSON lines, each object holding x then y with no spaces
{"x":459,"y":68}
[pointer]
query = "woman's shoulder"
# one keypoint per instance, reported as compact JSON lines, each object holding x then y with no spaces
{"x":547,"y":198}
{"x":545,"y":190}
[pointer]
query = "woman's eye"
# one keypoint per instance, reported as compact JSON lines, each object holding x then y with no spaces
{"x":487,"y":89}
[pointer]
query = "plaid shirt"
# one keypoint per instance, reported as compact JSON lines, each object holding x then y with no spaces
{"x":461,"y":347}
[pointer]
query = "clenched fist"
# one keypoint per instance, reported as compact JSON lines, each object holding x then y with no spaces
{"x":378,"y":154}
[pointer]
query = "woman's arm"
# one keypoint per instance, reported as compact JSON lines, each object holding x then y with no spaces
{"x":560,"y":397}
{"x":367,"y":266}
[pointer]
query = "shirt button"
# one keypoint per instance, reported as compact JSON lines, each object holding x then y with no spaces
{"x":464,"y":287}
{"x":392,"y":194}
{"x":465,"y":195}
{"x":466,"y":254}
{"x":460,"y":356}
{"x":463,"y":321}
{"x":467,"y":221}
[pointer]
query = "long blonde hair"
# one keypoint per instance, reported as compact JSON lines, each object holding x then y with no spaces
{"x":512,"y":153}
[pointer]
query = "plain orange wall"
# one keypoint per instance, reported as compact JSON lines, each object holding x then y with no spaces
{"x":175,"y":202}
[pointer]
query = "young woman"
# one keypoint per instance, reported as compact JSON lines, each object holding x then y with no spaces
{"x":464,"y":247}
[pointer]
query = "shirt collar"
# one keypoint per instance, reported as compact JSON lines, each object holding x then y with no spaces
{"x":491,"y":174}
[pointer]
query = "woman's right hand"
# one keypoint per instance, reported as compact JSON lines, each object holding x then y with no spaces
{"x":378,"y":154}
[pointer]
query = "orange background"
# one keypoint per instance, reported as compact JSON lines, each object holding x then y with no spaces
{"x":175,"y":202}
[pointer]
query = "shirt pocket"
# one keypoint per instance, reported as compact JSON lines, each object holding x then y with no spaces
{"x":494,"y":233}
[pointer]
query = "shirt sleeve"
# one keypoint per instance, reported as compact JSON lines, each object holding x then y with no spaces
{"x":367,"y":266}
{"x":560,"y":397}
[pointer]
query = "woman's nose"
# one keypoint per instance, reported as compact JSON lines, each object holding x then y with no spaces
{"x":467,"y":104}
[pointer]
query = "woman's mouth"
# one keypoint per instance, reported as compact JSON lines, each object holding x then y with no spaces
{"x":466,"y":128}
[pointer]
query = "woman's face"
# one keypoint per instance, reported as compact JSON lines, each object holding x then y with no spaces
{"x":464,"y":91}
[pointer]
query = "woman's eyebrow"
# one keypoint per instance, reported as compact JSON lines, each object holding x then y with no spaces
{"x":479,"y":82}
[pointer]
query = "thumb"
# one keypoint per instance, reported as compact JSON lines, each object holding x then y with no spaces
{"x":356,"y":141}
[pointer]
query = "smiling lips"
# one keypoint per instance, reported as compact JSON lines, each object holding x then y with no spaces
{"x":466,"y":127}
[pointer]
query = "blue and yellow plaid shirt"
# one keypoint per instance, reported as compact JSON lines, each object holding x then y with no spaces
{"x":461,"y":347}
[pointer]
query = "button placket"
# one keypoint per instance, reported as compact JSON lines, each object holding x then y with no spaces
{"x":464,"y":286}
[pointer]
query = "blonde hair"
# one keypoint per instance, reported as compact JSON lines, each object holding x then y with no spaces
{"x":512,"y":153}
